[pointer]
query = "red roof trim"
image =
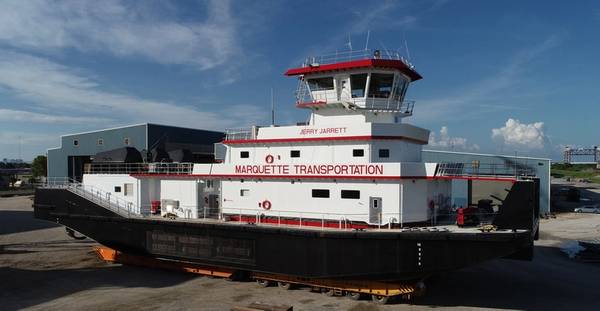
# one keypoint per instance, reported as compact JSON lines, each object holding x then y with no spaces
{"x":305,"y":139}
{"x":359,"y":177}
{"x":363,"y":63}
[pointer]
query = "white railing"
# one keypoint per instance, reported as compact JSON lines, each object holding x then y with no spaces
{"x":391,"y":103}
{"x":346,"y":56}
{"x":139,"y":168}
{"x":242,"y":133}
{"x":477,"y":169}
{"x":94,"y":194}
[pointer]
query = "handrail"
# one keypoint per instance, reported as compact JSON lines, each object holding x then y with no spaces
{"x":345,"y":56}
{"x":105,"y":199}
{"x":139,"y":168}
{"x":242,"y":133}
{"x":441,"y":216}
{"x":392,"y":104}
{"x":477,"y":169}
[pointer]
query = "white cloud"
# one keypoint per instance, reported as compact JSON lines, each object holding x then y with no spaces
{"x":21,"y":115}
{"x":25,"y":138}
{"x":55,"y":87}
{"x":121,"y":28}
{"x":522,"y":135}
{"x":448,"y":142}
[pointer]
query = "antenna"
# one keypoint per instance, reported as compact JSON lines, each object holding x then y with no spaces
{"x":385,"y":49}
{"x":367,"y":42}
{"x":349,"y":44}
{"x":406,"y":46}
{"x":272,"y":108}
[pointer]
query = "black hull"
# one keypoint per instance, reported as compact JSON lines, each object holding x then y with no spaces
{"x":381,"y":255}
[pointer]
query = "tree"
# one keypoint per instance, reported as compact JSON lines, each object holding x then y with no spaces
{"x":39,"y":166}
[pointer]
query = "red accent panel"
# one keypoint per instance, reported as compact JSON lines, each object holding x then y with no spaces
{"x":363,"y":63}
{"x":298,"y":222}
{"x":329,"y":138}
{"x":361,"y":177}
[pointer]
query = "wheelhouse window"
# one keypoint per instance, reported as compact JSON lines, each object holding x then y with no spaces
{"x":117,"y":188}
{"x":358,"y":152}
{"x":244,"y":154}
{"x":350,"y":194}
{"x":358,"y":84}
{"x":400,"y":88}
{"x":320,"y":193}
{"x":320,"y":84}
{"x":381,"y":85}
{"x":75,"y":142}
{"x":295,"y":154}
{"x":384,"y":153}
{"x":244,"y":192}
{"x":100,"y":141}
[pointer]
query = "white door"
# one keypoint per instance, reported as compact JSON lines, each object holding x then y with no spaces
{"x":375,"y":215}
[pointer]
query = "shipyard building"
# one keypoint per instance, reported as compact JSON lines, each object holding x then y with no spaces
{"x":154,"y":142}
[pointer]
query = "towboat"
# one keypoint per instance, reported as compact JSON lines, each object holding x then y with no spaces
{"x":342,"y":196}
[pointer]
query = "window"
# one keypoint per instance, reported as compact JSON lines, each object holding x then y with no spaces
{"x":117,"y":189}
{"x":244,"y":192}
{"x":320,"y":84}
{"x":350,"y":194}
{"x":381,"y":85}
{"x":244,"y":154}
{"x":358,"y":153}
{"x":384,"y":153}
{"x":358,"y":84}
{"x":295,"y":154}
{"x":75,"y":142}
{"x":320,"y":193}
{"x":401,"y":87}
{"x":100,"y":141}
{"x":128,"y":189}
{"x":126,"y":141}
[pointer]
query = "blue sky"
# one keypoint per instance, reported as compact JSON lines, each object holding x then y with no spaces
{"x":499,"y":76}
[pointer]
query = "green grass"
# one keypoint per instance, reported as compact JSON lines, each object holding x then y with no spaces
{"x":577,"y":171}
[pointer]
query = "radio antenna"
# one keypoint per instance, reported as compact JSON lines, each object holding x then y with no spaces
{"x":272,"y":108}
{"x":367,"y":42}
{"x":406,"y":46}
{"x":349,"y":44}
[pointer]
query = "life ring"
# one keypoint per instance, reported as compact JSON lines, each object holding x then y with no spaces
{"x":269,"y":159}
{"x":266,"y":204}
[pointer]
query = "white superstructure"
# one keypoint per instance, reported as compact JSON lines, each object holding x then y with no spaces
{"x":354,"y":161}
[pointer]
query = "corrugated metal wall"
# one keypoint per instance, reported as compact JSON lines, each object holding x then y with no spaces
{"x":540,"y":166}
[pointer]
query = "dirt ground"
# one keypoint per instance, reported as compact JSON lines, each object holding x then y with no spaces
{"x":41,"y":268}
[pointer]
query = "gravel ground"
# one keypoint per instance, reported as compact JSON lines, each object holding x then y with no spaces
{"x":41,"y":268}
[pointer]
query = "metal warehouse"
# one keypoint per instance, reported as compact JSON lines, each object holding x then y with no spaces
{"x":78,"y":149}
{"x":540,"y":168}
